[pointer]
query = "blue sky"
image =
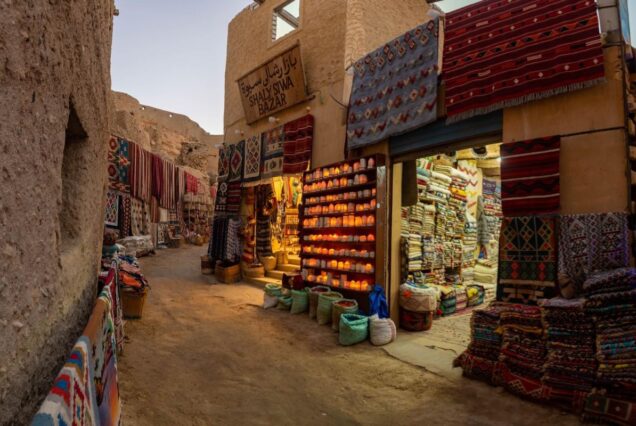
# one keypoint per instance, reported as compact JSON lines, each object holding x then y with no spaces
{"x":171,"y":54}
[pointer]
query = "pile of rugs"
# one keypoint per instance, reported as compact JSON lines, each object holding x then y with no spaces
{"x":86,"y":390}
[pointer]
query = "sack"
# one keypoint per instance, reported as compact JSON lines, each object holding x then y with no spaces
{"x":353,"y":329}
{"x":269,"y":302}
{"x":273,"y":290}
{"x":325,"y":305}
{"x":417,"y":299}
{"x":377,"y":302}
{"x":415,"y":321}
{"x":300,"y":301}
{"x":344,"y":306}
{"x":382,"y":331}
{"x":313,"y":299}
{"x":284,"y":303}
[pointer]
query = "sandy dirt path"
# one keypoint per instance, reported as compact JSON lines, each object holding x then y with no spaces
{"x":209,"y":355}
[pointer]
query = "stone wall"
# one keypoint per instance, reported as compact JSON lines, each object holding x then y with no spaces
{"x":331,"y":32}
{"x":55,"y":106}
{"x":171,"y":135}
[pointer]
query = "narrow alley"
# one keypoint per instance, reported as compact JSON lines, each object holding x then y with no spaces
{"x":217,"y":357}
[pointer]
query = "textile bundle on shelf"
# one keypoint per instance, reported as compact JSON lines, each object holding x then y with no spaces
{"x":592,"y":242}
{"x":530,"y":179}
{"x":299,"y":140}
{"x":527,"y":259}
{"x":395,"y":87}
{"x":272,"y":153}
{"x":325,"y":306}
{"x":500,"y":54}
{"x":118,"y":165}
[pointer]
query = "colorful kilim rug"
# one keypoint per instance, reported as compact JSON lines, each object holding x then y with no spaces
{"x":140,"y":172}
{"x":157,"y":176}
{"x":233,"y":205}
{"x":527,"y":259}
{"x":72,"y":399}
{"x":299,"y":140}
{"x":111,"y":216}
{"x":272,"y":153}
{"x":237,"y":152}
{"x":168,"y":186}
{"x":224,"y":163}
{"x":592,"y":242}
{"x":252,"y":162}
{"x":474,"y":184}
{"x":124,"y":215}
{"x":139,"y":217}
{"x":600,"y":408}
{"x":220,"y":207}
{"x":395,"y":87}
{"x":530,"y":181}
{"x":504,"y":53}
{"x":118,"y":165}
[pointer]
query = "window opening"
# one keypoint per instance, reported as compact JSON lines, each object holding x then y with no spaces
{"x":286,"y":19}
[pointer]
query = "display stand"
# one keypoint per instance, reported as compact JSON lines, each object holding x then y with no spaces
{"x":343,"y":227}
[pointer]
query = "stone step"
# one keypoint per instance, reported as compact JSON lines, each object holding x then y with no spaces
{"x":276,"y":274}
{"x":294,"y":260}
{"x":288,"y":268}
{"x":262,"y":282}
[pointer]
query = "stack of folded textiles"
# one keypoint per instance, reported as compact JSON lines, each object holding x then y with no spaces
{"x":570,"y":369}
{"x":428,"y":226}
{"x":523,"y":351}
{"x":428,"y":253}
{"x":480,"y":360}
{"x":475,"y":294}
{"x":486,"y":276}
{"x":404,"y":220}
{"x":415,"y":252}
{"x":461,"y":298}
{"x":611,"y":300}
{"x":448,"y":302}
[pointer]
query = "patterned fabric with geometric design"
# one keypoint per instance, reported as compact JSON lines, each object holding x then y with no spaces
{"x":111,"y":216}
{"x":272,"y":153}
{"x":236,"y":162}
{"x":118,"y":165}
{"x":503,"y":53}
{"x":252,"y":162}
{"x":224,"y":163}
{"x":527,"y":259}
{"x":395,"y":87}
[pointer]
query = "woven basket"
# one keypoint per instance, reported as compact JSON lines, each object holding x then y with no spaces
{"x":269,"y":262}
{"x":325,"y":306}
{"x":313,"y":299}
{"x":344,"y":306}
{"x":415,"y":321}
{"x":353,"y":329}
{"x":252,"y":271}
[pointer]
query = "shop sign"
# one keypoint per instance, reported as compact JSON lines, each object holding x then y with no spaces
{"x":274,"y":86}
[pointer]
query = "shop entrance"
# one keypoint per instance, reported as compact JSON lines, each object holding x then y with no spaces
{"x":450,"y":218}
{"x":272,"y":245}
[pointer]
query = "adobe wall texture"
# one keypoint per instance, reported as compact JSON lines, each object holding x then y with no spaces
{"x":331,"y":33}
{"x":54,"y":73}
{"x":173,"y":136}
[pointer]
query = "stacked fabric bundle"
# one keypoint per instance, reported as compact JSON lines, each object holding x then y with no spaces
{"x":461,"y":298}
{"x":448,"y":302}
{"x":475,"y":294}
{"x":428,"y":225}
{"x":415,"y":252}
{"x":611,"y":299}
{"x":570,"y":369}
{"x":404,"y":221}
{"x":523,"y":351}
{"x":438,"y":187}
{"x":479,"y":361}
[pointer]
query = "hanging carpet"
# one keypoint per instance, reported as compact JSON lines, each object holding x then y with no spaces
{"x":299,"y":139}
{"x":530,"y":182}
{"x":111,"y":216}
{"x":157,"y":176}
{"x":395,"y":87}
{"x":233,"y":203}
{"x":591,"y":242}
{"x":252,"y":161}
{"x":224,"y":163}
{"x":527,"y":259}
{"x":140,"y":217}
{"x":503,"y":53}
{"x":236,"y":162}
{"x":118,"y":165}
{"x":140,"y":172}
{"x":124,"y":215}
{"x":272,"y":153}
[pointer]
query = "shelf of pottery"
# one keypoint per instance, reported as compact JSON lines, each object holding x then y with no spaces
{"x":343,"y":225}
{"x":441,"y":236}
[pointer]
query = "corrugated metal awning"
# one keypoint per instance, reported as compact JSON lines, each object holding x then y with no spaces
{"x":436,"y":137}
